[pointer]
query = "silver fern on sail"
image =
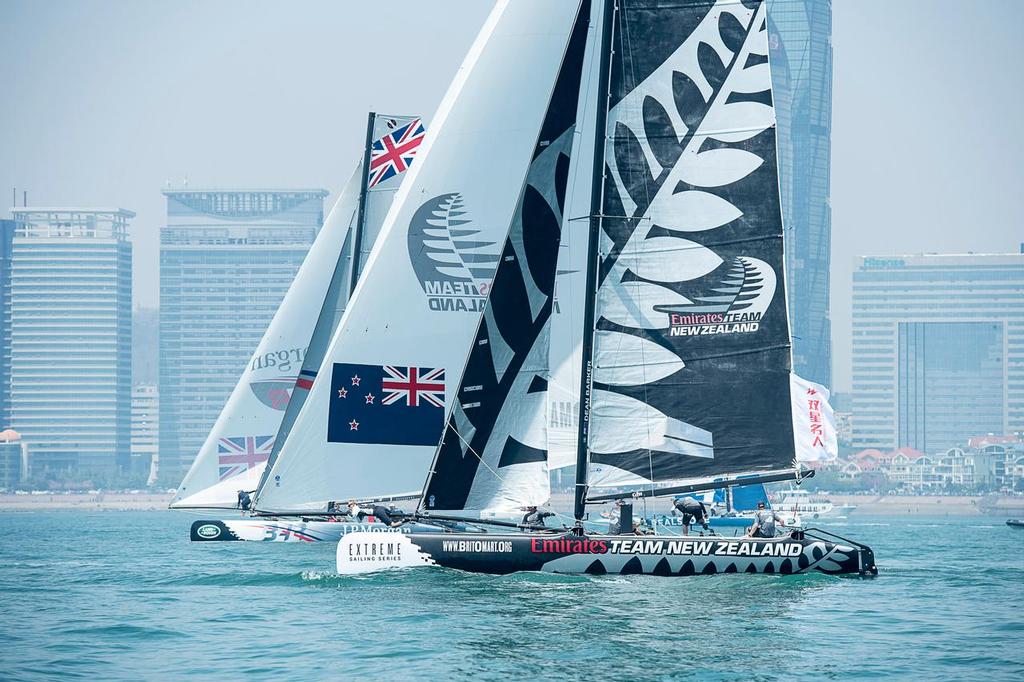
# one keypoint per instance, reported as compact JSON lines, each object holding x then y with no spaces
{"x":675,"y":151}
{"x":443,"y":242}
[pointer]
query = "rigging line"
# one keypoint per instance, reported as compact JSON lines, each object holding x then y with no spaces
{"x":475,"y":454}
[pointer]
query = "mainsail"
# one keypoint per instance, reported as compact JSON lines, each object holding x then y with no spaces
{"x":370,"y":425}
{"x":494,"y":451}
{"x":261,"y":409}
{"x":691,"y":350}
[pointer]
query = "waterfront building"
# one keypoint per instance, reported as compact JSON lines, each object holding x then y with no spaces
{"x":6,"y":244}
{"x":13,"y":459}
{"x":996,"y":465}
{"x":226,"y":260}
{"x":938,"y":349}
{"x":145,"y":434}
{"x":70,"y":337}
{"x":800,"y":44}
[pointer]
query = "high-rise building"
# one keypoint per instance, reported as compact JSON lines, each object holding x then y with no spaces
{"x":226,"y":260}
{"x":71,"y":334}
{"x":800,"y":44}
{"x":13,"y":459}
{"x":6,"y":243}
{"x":145,"y":441}
{"x":938,"y":349}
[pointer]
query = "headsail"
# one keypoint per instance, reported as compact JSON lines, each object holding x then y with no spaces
{"x":398,"y":354}
{"x":691,"y":348}
{"x":391,"y":146}
{"x":236,"y":451}
{"x":261,"y":410}
{"x":494,"y":452}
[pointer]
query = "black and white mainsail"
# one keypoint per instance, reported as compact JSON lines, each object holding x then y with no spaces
{"x":691,"y":345}
{"x":493,"y":454}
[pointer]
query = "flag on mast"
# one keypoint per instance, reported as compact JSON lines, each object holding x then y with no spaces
{"x":394,"y":153}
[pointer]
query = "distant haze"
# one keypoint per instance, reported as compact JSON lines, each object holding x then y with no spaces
{"x":104,"y":102}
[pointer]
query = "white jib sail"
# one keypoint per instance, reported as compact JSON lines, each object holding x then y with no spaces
{"x":404,"y":338}
{"x":236,"y":450}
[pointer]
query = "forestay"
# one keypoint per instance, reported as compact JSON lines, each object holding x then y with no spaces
{"x":494,"y":452}
{"x":692,"y":348}
{"x":373,"y":420}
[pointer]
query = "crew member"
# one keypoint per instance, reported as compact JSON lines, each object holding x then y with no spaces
{"x":389,"y":516}
{"x":692,"y":510}
{"x":244,"y":500}
{"x":764,"y":522}
{"x":355,"y":512}
{"x":615,"y":518}
{"x":533,"y":518}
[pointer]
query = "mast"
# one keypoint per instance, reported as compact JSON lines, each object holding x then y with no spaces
{"x":596,"y":201}
{"x":357,"y":237}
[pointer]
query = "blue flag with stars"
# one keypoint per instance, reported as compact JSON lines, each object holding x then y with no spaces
{"x":385,"y":404}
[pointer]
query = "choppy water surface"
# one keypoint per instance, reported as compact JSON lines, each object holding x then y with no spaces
{"x":126,"y":596}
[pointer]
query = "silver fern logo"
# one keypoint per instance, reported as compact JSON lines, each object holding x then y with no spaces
{"x":736,"y":306}
{"x":451,"y":261}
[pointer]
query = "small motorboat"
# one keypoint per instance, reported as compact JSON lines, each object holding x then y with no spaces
{"x":1015,"y":523}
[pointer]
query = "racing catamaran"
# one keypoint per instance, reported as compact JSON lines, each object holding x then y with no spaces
{"x":686,"y":358}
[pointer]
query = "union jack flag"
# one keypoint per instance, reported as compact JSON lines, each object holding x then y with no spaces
{"x":413,"y":384}
{"x":394,"y":153}
{"x":237,"y":455}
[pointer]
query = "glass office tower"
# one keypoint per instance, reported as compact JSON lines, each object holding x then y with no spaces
{"x":938,"y":350}
{"x":800,"y":44}
{"x":226,"y":260}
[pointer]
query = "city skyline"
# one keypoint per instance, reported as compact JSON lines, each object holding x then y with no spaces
{"x":893,"y":187}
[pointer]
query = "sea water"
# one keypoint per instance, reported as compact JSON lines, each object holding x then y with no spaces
{"x":126,"y":596}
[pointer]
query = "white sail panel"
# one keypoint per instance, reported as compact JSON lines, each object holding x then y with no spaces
{"x":814,"y":422}
{"x":243,"y":436}
{"x":404,"y":338}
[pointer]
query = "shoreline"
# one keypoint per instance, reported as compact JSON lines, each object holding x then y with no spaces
{"x":932,"y":505}
{"x":866,"y":505}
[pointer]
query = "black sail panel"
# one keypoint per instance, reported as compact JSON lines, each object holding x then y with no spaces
{"x":692,"y":345}
{"x":494,"y":451}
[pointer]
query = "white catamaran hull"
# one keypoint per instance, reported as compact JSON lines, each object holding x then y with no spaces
{"x":502,"y":553}
{"x":275,"y":530}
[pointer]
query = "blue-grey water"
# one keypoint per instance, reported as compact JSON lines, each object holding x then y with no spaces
{"x":125,"y":596}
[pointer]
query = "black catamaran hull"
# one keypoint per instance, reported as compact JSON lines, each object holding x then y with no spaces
{"x":502,"y":553}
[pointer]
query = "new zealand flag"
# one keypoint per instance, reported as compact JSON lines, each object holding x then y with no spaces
{"x":387,"y":405}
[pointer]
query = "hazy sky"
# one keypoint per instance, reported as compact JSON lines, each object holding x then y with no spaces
{"x":104,"y":102}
